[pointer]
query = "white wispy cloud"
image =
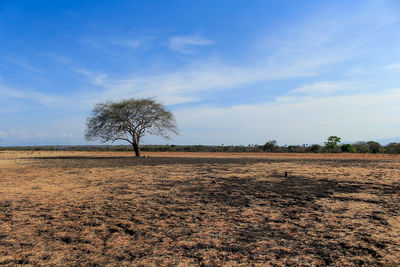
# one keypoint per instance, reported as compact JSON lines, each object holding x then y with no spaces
{"x":187,"y":43}
{"x":358,"y":71}
{"x":58,"y":58}
{"x":95,"y":78}
{"x":24,"y":64}
{"x":132,"y":43}
{"x":185,"y":85}
{"x":102,"y":45}
{"x":328,"y":87}
{"x":9,"y":96}
{"x":393,"y":66}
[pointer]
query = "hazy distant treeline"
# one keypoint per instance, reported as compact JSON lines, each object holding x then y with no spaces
{"x":270,"y":146}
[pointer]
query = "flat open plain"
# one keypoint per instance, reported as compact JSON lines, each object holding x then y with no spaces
{"x":209,"y":209}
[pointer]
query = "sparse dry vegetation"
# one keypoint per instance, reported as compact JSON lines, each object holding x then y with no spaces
{"x":96,"y":209}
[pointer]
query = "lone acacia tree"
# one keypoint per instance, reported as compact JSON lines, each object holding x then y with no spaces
{"x":130,"y":120}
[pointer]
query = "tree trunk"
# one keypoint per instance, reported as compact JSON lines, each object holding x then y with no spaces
{"x":136,"y":148}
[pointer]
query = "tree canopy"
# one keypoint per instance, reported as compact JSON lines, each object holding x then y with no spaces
{"x":332,"y":143}
{"x":129,"y":120}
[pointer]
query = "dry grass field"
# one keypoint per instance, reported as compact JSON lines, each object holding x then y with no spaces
{"x":193,"y":209}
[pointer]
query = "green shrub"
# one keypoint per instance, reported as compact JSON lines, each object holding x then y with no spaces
{"x":348,"y":148}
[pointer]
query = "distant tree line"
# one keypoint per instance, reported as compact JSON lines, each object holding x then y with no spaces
{"x":332,"y":146}
{"x":358,"y":147}
{"x":270,"y":146}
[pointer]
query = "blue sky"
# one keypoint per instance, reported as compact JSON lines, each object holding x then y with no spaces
{"x":233,"y":72}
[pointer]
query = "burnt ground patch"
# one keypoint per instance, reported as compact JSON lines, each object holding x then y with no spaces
{"x":125,"y":161}
{"x":295,"y":198}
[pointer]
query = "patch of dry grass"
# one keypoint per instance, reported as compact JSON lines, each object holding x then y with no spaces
{"x":81,"y":208}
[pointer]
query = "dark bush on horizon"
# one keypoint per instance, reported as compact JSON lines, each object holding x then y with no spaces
{"x":295,"y":149}
{"x":361,"y":147}
{"x":392,"y":148}
{"x":270,"y":146}
{"x":368,"y":147}
{"x":374,"y":147}
{"x":315,"y":148}
{"x":348,"y":148}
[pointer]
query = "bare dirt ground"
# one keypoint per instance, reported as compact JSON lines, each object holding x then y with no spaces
{"x":199,"y":209}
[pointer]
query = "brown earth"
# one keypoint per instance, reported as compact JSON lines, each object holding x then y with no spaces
{"x":199,"y":209}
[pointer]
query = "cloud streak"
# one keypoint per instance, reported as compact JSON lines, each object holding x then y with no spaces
{"x":186,"y":44}
{"x":133,"y":43}
{"x":14,"y":100}
{"x":328,"y":88}
{"x":394,"y":66}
